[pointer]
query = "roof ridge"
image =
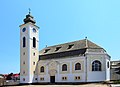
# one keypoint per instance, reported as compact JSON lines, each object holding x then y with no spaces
{"x":64,"y":43}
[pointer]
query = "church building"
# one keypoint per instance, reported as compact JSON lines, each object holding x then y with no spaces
{"x":73,"y":62}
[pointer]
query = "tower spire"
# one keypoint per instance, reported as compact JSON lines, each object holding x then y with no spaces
{"x":29,"y":18}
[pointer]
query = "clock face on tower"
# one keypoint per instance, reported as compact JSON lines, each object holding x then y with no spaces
{"x":34,"y":30}
{"x":24,"y":29}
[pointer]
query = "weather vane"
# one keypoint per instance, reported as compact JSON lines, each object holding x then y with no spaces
{"x":29,"y":10}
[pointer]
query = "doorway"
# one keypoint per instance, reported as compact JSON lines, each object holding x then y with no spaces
{"x":52,"y":79}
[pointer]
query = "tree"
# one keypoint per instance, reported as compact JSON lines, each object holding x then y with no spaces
{"x":9,"y":77}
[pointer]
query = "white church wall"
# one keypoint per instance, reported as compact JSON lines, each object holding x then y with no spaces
{"x":70,"y":74}
{"x":43,"y":77}
{"x":96,"y":76}
{"x":71,"y":77}
{"x":93,"y":76}
{"x":107,"y":68}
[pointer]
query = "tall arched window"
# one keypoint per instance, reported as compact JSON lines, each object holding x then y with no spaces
{"x":64,"y":67}
{"x":42,"y":69}
{"x":108,"y":65}
{"x":96,"y":65}
{"x":77,"y":66}
{"x":24,"y":42}
{"x":34,"y":42}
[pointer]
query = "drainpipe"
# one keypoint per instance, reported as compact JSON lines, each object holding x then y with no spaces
{"x":85,"y":67}
{"x":86,"y":44}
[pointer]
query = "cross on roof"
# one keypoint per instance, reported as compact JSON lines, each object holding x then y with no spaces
{"x":29,"y":10}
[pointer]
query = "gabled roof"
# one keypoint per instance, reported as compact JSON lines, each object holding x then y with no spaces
{"x":71,"y":46}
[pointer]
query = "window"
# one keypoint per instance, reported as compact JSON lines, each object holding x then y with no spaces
{"x":108,"y":65}
{"x":96,"y":66}
{"x":118,"y":64}
{"x":23,"y":53}
{"x":24,"y":62}
{"x":34,"y":72}
{"x":77,"y":66}
{"x":64,"y":67}
{"x":42,"y":69}
{"x":42,"y":78}
{"x":35,"y":78}
{"x":77,"y":77}
{"x":33,"y":63}
{"x":46,"y":50}
{"x":23,"y":72}
{"x":33,"y":54}
{"x":57,"y":48}
{"x":24,"y":42}
{"x":34,"y":30}
{"x":23,"y":79}
{"x":64,"y":78}
{"x":24,"y":29}
{"x":34,"y":42}
{"x":70,"y":46}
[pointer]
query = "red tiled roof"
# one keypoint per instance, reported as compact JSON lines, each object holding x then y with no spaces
{"x":15,"y":75}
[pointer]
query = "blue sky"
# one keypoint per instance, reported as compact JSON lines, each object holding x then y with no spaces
{"x":60,"y":21}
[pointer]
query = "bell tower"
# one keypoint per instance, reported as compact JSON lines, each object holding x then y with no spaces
{"x":29,"y":42}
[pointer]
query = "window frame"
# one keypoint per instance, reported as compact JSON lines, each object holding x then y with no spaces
{"x":24,"y":42}
{"x":78,"y":66}
{"x":108,"y":65}
{"x":33,"y":63}
{"x":42,"y":69}
{"x":70,"y":46}
{"x":42,"y":78}
{"x":64,"y":78}
{"x":96,"y":65}
{"x":64,"y":67}
{"x":34,"y":42}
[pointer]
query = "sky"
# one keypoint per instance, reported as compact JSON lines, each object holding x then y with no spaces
{"x":60,"y":21}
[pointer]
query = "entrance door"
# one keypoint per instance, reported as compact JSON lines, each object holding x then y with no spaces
{"x":52,"y":79}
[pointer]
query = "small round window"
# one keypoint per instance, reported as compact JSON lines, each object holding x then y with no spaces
{"x":24,"y":29}
{"x":34,"y":30}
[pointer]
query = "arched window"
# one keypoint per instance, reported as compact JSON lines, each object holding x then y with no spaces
{"x":24,"y":42}
{"x":108,"y":65}
{"x":64,"y":67}
{"x":34,"y":42}
{"x":42,"y":69}
{"x":96,"y":66}
{"x":77,"y":66}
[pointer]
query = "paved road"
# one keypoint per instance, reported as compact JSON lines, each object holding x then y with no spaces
{"x":84,"y":85}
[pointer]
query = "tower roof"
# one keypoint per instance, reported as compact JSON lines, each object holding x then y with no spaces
{"x":29,"y":18}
